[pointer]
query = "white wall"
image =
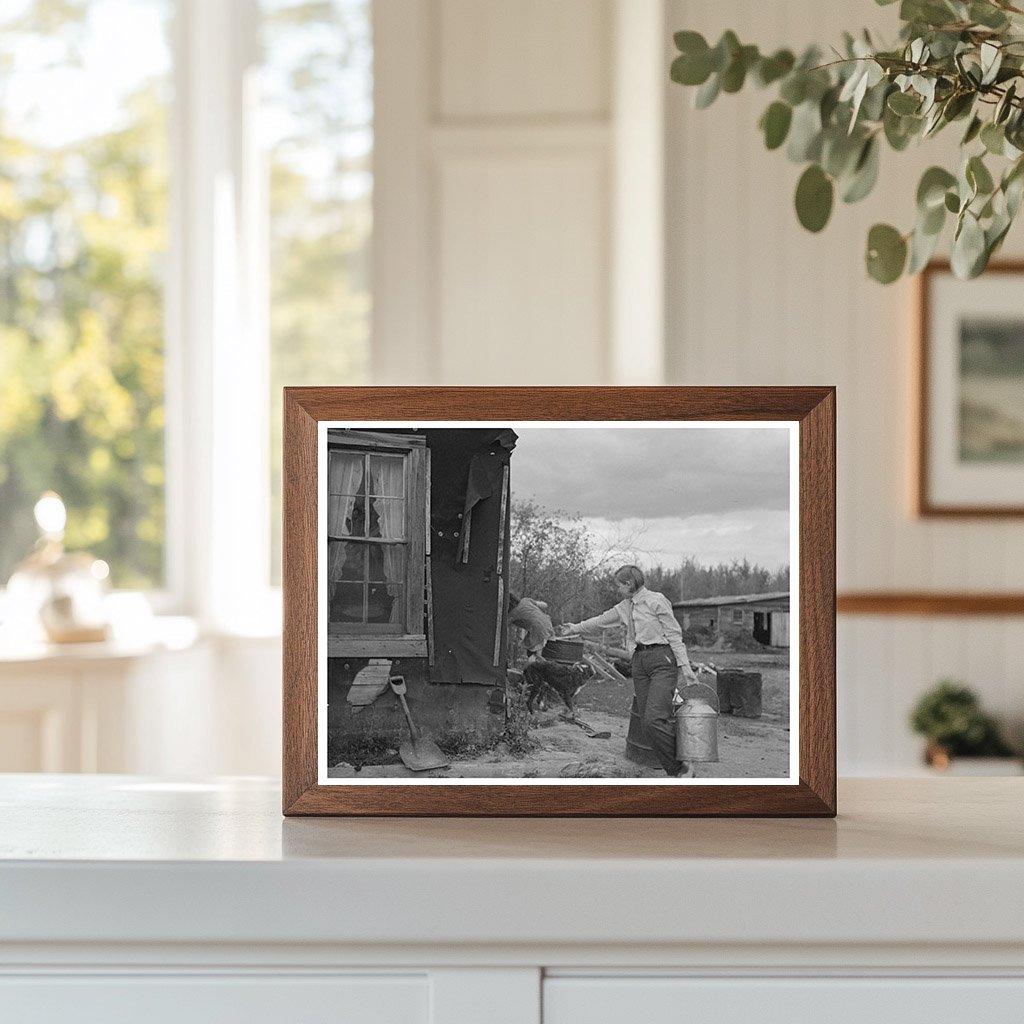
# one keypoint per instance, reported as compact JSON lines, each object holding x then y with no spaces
{"x":754,"y":299}
{"x":539,"y":221}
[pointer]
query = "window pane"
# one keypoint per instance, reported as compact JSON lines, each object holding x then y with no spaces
{"x":83,"y":235}
{"x":387,"y":518}
{"x":387,"y":475}
{"x":385,"y":603}
{"x":317,"y":124}
{"x":345,"y":473}
{"x":346,"y":517}
{"x":346,"y":561}
{"x":386,"y":563}
{"x":347,"y":602}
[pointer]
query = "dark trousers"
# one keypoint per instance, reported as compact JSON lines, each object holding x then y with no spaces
{"x":654,"y":679}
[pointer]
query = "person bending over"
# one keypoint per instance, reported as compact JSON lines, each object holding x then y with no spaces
{"x":528,"y":615}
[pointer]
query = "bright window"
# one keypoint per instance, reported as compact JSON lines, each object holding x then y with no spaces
{"x":83,"y":239}
{"x":317,"y":120}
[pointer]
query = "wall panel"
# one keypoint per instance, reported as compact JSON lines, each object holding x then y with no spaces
{"x":521,"y":286}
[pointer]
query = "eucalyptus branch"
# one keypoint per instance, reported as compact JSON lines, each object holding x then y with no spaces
{"x":833,"y":118}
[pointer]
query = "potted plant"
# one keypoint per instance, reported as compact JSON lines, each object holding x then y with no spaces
{"x":956,"y":62}
{"x":950,"y":717}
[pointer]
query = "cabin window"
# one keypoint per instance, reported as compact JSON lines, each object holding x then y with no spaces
{"x":737,"y":615}
{"x":376,"y":532}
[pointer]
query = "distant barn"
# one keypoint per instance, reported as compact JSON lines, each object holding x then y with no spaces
{"x":763,"y":616}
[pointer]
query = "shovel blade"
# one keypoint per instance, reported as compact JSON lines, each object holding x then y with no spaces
{"x":422,"y":754}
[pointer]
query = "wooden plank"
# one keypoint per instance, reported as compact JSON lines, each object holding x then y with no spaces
{"x":500,"y":617}
{"x":609,"y":669}
{"x":367,"y":647}
{"x":430,"y":576}
{"x":467,"y":529}
{"x":430,"y":613}
{"x":928,"y":603}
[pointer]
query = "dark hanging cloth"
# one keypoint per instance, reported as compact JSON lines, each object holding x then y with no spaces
{"x":466,"y":470}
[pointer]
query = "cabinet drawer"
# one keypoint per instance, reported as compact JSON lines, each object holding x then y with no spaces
{"x":569,"y":1000}
{"x":223,"y":999}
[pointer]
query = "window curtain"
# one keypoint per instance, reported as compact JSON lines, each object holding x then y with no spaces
{"x":387,"y":476}
{"x":344,"y":476}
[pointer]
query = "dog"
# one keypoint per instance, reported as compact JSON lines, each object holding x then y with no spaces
{"x":542,"y":675}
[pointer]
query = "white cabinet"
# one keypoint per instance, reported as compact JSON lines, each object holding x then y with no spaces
{"x":823,"y":1000}
{"x":202,"y":999}
{"x":133,"y":898}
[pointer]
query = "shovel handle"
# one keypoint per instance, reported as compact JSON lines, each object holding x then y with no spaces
{"x":398,"y":685}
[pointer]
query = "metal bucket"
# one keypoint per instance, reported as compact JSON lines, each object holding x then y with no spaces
{"x":697,"y":725}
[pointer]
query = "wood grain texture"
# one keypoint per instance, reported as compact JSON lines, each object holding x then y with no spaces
{"x":299,"y":597}
{"x":812,"y":407}
{"x":924,"y":603}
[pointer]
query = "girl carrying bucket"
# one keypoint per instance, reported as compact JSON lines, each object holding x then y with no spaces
{"x":654,"y":639}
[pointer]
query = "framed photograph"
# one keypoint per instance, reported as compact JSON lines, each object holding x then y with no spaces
{"x":970,"y":450}
{"x":559,"y":601}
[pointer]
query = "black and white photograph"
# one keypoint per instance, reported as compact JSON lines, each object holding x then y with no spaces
{"x":558,"y":602}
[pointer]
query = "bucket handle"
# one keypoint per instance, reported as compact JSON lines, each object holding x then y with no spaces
{"x":712,"y":691}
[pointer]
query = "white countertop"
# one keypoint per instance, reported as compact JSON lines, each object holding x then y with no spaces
{"x":124,"y":859}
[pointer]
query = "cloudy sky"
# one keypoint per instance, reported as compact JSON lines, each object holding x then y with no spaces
{"x":660,"y":495}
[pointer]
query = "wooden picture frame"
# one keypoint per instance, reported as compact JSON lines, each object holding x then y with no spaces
{"x":318,"y":421}
{"x":969,"y":449}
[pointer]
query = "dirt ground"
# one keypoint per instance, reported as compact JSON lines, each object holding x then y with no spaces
{"x":747,"y":747}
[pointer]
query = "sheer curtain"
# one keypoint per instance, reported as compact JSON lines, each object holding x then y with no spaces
{"x":344,"y":475}
{"x":387,"y":476}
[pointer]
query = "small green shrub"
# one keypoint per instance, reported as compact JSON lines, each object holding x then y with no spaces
{"x":950,"y":716}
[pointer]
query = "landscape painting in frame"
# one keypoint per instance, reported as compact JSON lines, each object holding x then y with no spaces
{"x":972,"y":393}
{"x":537,"y":603}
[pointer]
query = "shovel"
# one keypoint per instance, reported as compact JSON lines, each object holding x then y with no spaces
{"x":418,"y":753}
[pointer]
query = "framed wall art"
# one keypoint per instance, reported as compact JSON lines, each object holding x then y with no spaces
{"x":970,"y":444}
{"x":559,"y":601}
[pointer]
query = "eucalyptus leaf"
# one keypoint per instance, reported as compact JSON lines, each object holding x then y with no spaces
{"x":993,"y":138}
{"x":991,"y":61}
{"x":1005,"y":105}
{"x":725,"y":50}
{"x":987,"y":15}
{"x":973,"y":130}
{"x":735,"y":74}
{"x":805,"y":133}
{"x":886,"y":253}
{"x":931,"y":190}
{"x":840,"y":152}
{"x":903,"y":103}
{"x":794,"y":88}
{"x":900,"y":130}
{"x":978,"y":176}
{"x":922,"y":248}
{"x":771,"y":69}
{"x":707,"y":93}
{"x":968,"y":247}
{"x":932,"y":221}
{"x":865,"y":174}
{"x":814,"y":195}
{"x":873,"y":106}
{"x":691,"y":69}
{"x":958,"y":105}
{"x":952,"y":202}
{"x":775,"y":123}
